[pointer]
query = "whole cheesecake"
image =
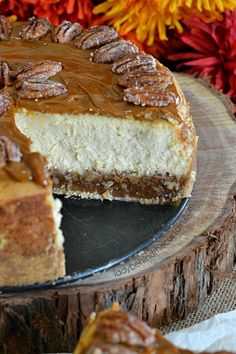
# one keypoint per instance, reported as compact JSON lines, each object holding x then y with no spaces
{"x":111,"y":122}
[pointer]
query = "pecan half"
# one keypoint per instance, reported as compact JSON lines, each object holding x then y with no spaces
{"x":96,"y":37}
{"x":4,"y":74}
{"x":66,"y":32}
{"x":4,"y":102}
{"x":120,"y":328}
{"x":5,"y":28}
{"x":38,"y":71}
{"x":114,"y":51}
{"x":117,"y":332}
{"x":150,"y":96}
{"x":134,"y":63}
{"x":41,"y":89}
{"x":9,"y":151}
{"x":35,"y":28}
{"x":161,"y":78}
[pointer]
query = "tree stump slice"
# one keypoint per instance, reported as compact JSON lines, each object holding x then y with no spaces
{"x":168,"y":280}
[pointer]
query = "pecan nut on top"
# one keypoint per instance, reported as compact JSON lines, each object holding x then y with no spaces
{"x":161,"y":78}
{"x":35,"y":28}
{"x":4,"y":103}
{"x":150,"y":96}
{"x":66,"y":32}
{"x":37,"y":71}
{"x":5,"y":74}
{"x":95,"y":37}
{"x":9,"y":151}
{"x":114,"y":51}
{"x":41,"y":89}
{"x":136,"y":63}
{"x":5,"y":28}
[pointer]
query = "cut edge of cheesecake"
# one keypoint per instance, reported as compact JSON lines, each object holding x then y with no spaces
{"x":151,"y":161}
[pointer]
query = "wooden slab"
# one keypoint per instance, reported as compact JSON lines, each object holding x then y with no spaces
{"x":168,"y":280}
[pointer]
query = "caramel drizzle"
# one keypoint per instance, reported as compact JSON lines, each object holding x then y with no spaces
{"x":33,"y":165}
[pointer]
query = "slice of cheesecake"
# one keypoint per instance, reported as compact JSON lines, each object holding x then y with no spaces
{"x":31,"y":242}
{"x":112,"y":122}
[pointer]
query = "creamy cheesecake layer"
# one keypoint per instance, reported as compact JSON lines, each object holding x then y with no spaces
{"x":56,"y":206}
{"x":78,"y":144}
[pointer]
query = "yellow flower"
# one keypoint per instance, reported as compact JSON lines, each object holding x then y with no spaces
{"x":150,"y":17}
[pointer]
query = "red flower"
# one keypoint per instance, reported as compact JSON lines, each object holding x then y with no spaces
{"x":205,"y":49}
{"x":19,"y":8}
{"x":55,"y":10}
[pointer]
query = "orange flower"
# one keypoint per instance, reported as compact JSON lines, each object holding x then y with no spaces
{"x":149,"y":18}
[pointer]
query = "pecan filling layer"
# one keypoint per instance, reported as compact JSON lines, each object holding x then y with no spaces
{"x":164,"y":188}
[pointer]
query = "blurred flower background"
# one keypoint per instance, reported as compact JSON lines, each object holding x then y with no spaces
{"x":193,"y":36}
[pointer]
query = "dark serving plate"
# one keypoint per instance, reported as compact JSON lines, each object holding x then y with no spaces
{"x":99,"y":235}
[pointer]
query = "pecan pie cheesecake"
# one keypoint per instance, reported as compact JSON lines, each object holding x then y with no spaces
{"x":111,"y":122}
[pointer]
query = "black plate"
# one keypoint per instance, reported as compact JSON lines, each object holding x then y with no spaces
{"x":99,"y":235}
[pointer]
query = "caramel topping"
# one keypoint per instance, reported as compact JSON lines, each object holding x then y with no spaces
{"x":18,"y":171}
{"x":92,"y":88}
{"x":37,"y":164}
